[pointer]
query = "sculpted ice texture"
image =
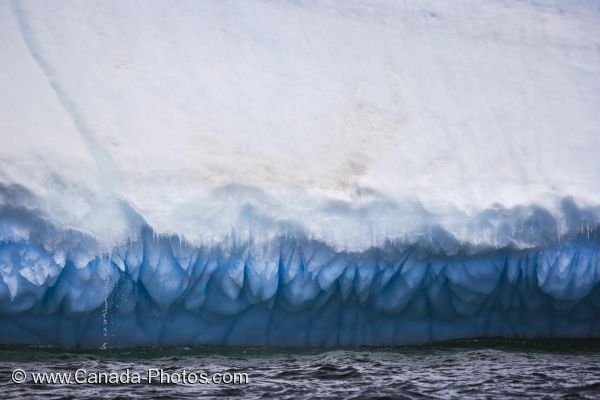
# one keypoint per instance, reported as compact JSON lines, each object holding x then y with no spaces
{"x":60,"y":288}
{"x":298,"y":172}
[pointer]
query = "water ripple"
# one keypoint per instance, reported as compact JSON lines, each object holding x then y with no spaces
{"x":467,"y":369}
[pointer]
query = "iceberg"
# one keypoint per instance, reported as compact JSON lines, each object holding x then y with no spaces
{"x":332,"y":173}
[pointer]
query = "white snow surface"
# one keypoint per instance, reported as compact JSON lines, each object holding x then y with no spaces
{"x":351,"y":122}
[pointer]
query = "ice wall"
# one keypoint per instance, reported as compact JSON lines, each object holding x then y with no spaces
{"x":56,"y":289}
{"x":456,"y":134}
{"x":354,"y":122}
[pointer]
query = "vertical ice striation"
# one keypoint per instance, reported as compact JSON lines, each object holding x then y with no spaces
{"x":160,"y":290}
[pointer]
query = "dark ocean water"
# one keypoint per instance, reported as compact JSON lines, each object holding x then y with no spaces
{"x":464,"y":369}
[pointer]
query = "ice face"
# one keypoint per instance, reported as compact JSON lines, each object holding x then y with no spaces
{"x":298,"y":172}
{"x":160,"y":290}
{"x":352,"y":123}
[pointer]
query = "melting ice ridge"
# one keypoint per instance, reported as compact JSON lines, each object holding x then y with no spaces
{"x":61,"y":288}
